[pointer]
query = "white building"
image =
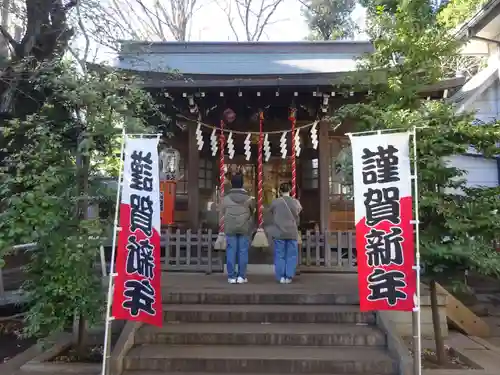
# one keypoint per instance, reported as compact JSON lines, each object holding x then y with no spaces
{"x":481,"y":93}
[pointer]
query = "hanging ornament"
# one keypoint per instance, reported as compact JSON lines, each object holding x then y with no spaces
{"x":267,"y":148}
{"x":248,"y":149}
{"x":213,"y":142}
{"x":230,"y":145}
{"x":199,"y":137}
{"x":297,"y":143}
{"x":293,"y":119}
{"x":260,"y":238}
{"x":314,"y":135}
{"x":220,"y":242}
{"x":283,"y":145}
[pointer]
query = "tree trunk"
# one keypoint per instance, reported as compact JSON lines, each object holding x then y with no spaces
{"x":436,"y":323}
{"x":81,"y":339}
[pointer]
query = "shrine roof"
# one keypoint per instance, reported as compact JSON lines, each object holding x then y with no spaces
{"x":245,"y":64}
{"x":242,"y":58}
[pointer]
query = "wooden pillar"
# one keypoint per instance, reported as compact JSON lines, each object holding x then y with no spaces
{"x":192,"y":174}
{"x":324,"y":166}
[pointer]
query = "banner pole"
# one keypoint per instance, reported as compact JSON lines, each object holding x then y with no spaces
{"x":416,"y":318}
{"x":107,"y":329}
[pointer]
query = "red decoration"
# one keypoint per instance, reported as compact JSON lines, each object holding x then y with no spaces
{"x":260,"y":172}
{"x":293,"y":120}
{"x":222,"y":176}
{"x":167,"y":201}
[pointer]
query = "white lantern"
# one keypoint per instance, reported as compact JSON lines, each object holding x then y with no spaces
{"x":169,"y":164}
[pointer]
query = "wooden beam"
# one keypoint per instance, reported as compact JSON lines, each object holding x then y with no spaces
{"x":323,"y":164}
{"x":192,"y":174}
{"x":462,"y":317}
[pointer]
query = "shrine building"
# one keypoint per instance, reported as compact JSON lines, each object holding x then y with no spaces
{"x":200,"y":83}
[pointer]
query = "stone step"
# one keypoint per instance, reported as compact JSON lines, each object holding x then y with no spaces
{"x":142,"y":372}
{"x":294,"y":334}
{"x":242,"y":295}
{"x":266,"y":314}
{"x":260,"y":359}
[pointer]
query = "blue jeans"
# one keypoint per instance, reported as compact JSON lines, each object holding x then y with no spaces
{"x":285,"y":258}
{"x":237,"y":253}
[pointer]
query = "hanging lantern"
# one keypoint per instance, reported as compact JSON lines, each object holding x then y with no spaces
{"x":169,"y":174}
{"x":169,"y":164}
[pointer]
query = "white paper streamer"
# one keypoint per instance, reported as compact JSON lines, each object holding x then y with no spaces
{"x":314,"y":135}
{"x":283,"y":145}
{"x":199,"y":137}
{"x":248,"y":150}
{"x":230,"y":146}
{"x":267,"y":148}
{"x":213,"y":142}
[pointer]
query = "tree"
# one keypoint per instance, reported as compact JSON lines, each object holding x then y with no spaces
{"x":46,"y":35}
{"x":42,"y":187}
{"x":372,"y":5}
{"x":455,"y":12}
{"x":457,"y":224}
{"x":329,"y":19}
{"x":251,"y":16}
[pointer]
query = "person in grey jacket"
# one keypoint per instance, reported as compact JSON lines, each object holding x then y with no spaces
{"x":238,"y":209}
{"x":285,"y":211}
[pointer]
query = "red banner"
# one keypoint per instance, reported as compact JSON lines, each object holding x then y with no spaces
{"x":137,"y":286}
{"x":383,"y":216}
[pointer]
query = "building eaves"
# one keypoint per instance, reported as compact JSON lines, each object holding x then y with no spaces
{"x":479,"y":20}
{"x":303,"y":47}
{"x":474,"y":87}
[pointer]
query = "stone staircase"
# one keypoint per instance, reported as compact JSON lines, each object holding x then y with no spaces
{"x":260,"y":332}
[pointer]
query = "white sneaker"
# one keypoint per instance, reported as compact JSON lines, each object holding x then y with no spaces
{"x":282,"y":280}
{"x":241,"y":280}
{"x":288,"y":281}
{"x":231,"y":281}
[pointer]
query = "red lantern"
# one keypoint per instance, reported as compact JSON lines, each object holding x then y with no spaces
{"x":229,"y":116}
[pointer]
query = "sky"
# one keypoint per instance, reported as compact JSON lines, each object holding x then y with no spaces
{"x":210,"y":24}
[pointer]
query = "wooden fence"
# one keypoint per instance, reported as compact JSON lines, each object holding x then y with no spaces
{"x":193,"y":251}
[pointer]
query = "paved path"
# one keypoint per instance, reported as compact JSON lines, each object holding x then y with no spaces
{"x":477,"y":350}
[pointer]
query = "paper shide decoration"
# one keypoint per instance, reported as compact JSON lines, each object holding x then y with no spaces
{"x":248,"y":151}
{"x":267,"y":148}
{"x":214,"y":142}
{"x":199,"y":137}
{"x":230,"y":146}
{"x":283,"y":145}
{"x":314,"y":135}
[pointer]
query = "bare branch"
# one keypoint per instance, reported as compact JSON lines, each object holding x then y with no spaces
{"x":253,"y":15}
{"x":227,"y":9}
